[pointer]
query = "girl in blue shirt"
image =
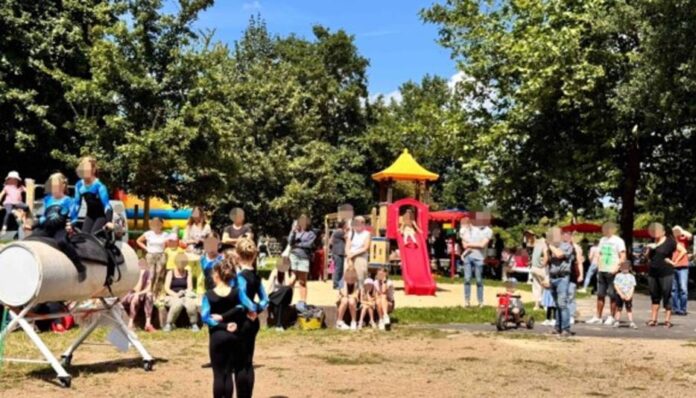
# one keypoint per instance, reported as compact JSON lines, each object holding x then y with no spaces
{"x":99,"y":213}
{"x":250,"y":286}
{"x":56,"y":221}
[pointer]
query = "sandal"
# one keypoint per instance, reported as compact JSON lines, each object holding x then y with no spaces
{"x":651,"y":323}
{"x":668,"y":324}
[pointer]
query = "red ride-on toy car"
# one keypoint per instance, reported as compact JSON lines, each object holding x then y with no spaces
{"x":511,"y":313}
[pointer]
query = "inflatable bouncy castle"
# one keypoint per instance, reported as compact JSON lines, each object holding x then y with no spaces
{"x":135,"y":211}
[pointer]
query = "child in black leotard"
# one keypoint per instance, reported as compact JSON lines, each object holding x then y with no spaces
{"x":99,"y":213}
{"x":250,"y":286}
{"x":222,"y":312}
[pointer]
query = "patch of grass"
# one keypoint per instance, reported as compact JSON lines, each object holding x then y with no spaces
{"x":690,"y":343}
{"x":446,"y":315}
{"x":597,"y":394}
{"x":532,"y":362}
{"x":469,"y":359}
{"x":352,"y":360}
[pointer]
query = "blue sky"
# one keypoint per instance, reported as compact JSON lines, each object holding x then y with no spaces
{"x":389,"y":33}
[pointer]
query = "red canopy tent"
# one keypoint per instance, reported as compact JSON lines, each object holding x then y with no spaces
{"x":451,"y":216}
{"x":641,"y":234}
{"x":448,"y":215}
{"x":585,"y":228}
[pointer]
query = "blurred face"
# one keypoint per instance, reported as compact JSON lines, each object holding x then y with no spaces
{"x":359,"y":225}
{"x":57,"y":188}
{"x":302,"y":222}
{"x":210,"y":245}
{"x":381,"y":275}
{"x":238,"y":218}
{"x":608,"y":230}
{"x":181,"y":261}
{"x":172,"y":243}
{"x":567,"y":237}
{"x":556,"y":236}
{"x":196,"y":214}
{"x":677,"y":232}
{"x":12,"y":181}
{"x":624,"y":268}
{"x":156,"y":225}
{"x":85,"y":170}
{"x":657,"y":231}
{"x":465,"y":222}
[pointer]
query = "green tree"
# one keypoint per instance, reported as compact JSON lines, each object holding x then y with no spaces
{"x":38,"y":37}
{"x":585,"y":98}
{"x":298,"y":107}
{"x":429,"y":121}
{"x":153,"y":109}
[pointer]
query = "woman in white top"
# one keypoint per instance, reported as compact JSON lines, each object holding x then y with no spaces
{"x":153,"y":243}
{"x":196,"y":231}
{"x":358,"y":248}
{"x":280,"y":285}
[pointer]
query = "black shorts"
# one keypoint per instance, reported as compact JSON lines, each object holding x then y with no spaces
{"x":661,"y":290}
{"x":621,"y":302}
{"x":605,"y":285}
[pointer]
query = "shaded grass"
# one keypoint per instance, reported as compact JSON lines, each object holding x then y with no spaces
{"x":446,"y":315}
{"x":343,"y":359}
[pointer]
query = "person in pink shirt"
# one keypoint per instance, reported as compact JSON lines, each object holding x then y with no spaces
{"x":12,"y":193}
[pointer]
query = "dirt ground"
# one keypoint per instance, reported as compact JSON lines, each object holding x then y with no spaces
{"x":407,"y":362}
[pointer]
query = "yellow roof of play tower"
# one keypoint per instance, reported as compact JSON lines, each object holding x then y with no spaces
{"x":405,"y":168}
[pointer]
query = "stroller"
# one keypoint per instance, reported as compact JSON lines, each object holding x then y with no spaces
{"x":511,"y":313}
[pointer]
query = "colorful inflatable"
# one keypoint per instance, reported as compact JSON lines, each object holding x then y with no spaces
{"x":171,"y":216}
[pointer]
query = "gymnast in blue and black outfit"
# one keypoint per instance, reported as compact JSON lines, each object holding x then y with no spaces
{"x":250,"y":286}
{"x":99,"y":213}
{"x":57,"y":219}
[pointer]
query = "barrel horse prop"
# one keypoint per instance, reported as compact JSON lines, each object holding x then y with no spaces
{"x":35,"y":271}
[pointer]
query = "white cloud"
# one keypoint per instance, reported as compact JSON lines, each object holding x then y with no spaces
{"x":454,"y":79}
{"x":251,"y":6}
{"x":388,"y":97}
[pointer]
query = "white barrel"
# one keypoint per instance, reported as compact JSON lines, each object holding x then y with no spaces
{"x":32,"y":270}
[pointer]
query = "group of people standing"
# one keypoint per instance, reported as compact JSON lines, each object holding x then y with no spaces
{"x":557,"y":270}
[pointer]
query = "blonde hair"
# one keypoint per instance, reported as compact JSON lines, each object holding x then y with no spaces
{"x":58,"y":178}
{"x":246,"y":249}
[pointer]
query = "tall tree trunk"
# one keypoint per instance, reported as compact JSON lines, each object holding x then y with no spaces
{"x":628,"y":195}
{"x":146,"y":213}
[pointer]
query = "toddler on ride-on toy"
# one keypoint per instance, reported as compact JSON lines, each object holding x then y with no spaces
{"x":511,"y":312}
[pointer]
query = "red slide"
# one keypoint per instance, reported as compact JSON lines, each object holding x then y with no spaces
{"x":415,"y":267}
{"x":415,"y":261}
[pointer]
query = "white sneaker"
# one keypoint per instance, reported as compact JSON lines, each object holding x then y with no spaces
{"x":583,"y":290}
{"x":167,"y":328}
{"x":616,"y":324}
{"x":467,"y":304}
{"x":373,"y":325}
{"x":572,"y":320}
{"x":381,"y":325}
{"x":594,"y":321}
{"x":279,"y":329}
{"x":547,"y":322}
{"x":553,"y":323}
{"x":633,"y":326}
{"x":609,"y":321}
{"x":340,"y":325}
{"x":387,"y":320}
{"x":353,"y":326}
